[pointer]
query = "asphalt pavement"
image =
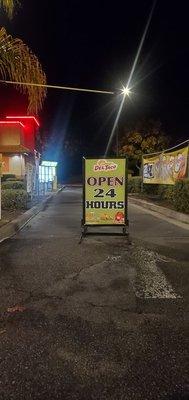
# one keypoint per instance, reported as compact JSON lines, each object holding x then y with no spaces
{"x":98,"y":320}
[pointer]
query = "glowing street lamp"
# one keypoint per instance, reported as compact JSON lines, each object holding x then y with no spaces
{"x":126,"y":91}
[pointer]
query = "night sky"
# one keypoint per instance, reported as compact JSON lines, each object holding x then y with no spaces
{"x":93,"y":44}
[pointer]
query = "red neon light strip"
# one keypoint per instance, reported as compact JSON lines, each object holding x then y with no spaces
{"x":24,"y":117}
{"x":12,"y":122}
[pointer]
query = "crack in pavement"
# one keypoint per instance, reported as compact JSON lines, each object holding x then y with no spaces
{"x":114,"y":281}
{"x":108,"y":306}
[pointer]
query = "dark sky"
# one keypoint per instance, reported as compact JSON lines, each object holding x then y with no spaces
{"x":93,"y":44}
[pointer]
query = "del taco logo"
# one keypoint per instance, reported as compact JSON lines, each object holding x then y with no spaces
{"x":104,"y":165}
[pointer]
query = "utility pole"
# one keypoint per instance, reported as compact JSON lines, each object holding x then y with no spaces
{"x":117,"y":141}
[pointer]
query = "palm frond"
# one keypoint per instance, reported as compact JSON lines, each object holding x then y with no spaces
{"x":19,"y":64}
{"x":8,"y":6}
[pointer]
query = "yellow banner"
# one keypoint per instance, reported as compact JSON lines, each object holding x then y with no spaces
{"x":105,"y":197}
{"x":166,"y":168}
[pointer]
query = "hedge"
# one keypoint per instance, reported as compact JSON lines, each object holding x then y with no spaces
{"x":134,"y":184}
{"x":177,"y":195}
{"x":7,"y":176}
{"x":13,"y":199}
{"x":12,"y":184}
{"x":181,"y":196}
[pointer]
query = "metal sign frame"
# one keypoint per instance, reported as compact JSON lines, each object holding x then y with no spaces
{"x":124,"y":226}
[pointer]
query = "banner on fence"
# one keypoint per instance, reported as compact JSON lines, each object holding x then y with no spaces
{"x":105,"y":197}
{"x":165,"y":168}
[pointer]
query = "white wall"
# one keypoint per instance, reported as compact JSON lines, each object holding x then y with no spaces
{"x":17,"y":165}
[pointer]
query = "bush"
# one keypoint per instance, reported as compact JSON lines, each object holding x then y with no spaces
{"x":12,"y":184}
{"x":166,"y":192}
{"x":150,"y":188}
{"x":177,"y":195}
{"x":15,"y":179}
{"x":181,"y":196}
{"x":13,"y":199}
{"x":134,"y":184}
{"x":7,"y":176}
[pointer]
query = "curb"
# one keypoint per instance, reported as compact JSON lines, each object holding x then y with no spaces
{"x":184,"y":218}
{"x":10,"y":229}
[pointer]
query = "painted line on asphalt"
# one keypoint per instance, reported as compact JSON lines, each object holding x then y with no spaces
{"x":151,"y":282}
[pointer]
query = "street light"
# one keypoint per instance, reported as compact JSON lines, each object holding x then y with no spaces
{"x":126,"y":91}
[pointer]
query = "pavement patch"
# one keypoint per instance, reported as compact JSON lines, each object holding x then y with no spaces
{"x":151,"y":282}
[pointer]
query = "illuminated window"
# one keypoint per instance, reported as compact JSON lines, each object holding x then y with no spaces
{"x":47,"y":173}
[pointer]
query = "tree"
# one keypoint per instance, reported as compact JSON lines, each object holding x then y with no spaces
{"x":146,"y":137}
{"x":19,"y":64}
{"x":8,"y":5}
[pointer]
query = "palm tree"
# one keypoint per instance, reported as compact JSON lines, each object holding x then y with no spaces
{"x":8,"y":5}
{"x":19,"y":64}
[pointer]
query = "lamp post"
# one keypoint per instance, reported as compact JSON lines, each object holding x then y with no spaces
{"x":125,"y":92}
{"x":117,"y":141}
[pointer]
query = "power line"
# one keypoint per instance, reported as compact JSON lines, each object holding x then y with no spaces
{"x":167,"y":150}
{"x":57,"y":87}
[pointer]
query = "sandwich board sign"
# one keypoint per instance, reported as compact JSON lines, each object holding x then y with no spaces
{"x":104,"y":193}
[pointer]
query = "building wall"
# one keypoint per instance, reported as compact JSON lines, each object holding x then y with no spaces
{"x":14,"y":164}
{"x":18,"y":148}
{"x":29,"y":134}
{"x":10,"y":136}
{"x":13,"y":135}
{"x":5,"y":164}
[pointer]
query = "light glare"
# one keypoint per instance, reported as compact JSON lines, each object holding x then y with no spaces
{"x":49,"y":163}
{"x":126,"y":91}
